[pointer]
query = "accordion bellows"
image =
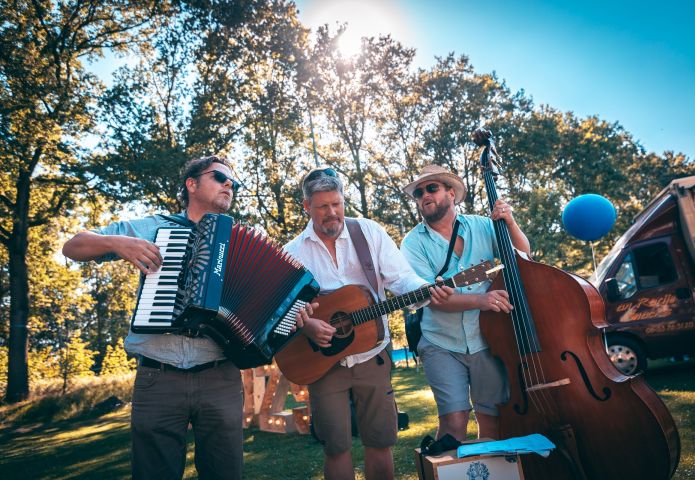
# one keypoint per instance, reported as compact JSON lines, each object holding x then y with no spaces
{"x":241,"y":289}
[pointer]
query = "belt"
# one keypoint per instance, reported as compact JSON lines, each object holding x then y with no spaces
{"x":148,"y":362}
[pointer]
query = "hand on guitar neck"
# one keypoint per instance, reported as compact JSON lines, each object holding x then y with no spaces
{"x":321,"y":333}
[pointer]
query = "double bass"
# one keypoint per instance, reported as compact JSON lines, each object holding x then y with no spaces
{"x":562,"y":383}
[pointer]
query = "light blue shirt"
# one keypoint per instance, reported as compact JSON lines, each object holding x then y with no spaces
{"x":426,"y":252}
{"x":178,"y":350}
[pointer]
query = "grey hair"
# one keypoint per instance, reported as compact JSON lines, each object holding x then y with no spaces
{"x":324,"y":183}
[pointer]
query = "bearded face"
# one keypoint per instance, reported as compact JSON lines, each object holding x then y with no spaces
{"x":433,"y":207}
{"x":327,"y":211}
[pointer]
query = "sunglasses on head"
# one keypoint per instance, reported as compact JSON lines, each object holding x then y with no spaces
{"x":430,"y":188}
{"x":318,"y":172}
{"x":220,"y":178}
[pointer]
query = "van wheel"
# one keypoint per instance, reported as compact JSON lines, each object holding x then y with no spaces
{"x":627,"y":355}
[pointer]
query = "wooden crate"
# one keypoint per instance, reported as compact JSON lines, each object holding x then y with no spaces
{"x":448,"y":466}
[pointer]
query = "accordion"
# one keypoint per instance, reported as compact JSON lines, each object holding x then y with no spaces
{"x":233,"y":285}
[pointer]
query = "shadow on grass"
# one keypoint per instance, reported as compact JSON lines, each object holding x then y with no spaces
{"x":97,"y":447}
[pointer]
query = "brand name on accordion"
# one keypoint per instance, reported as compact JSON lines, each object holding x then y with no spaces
{"x":218,"y":266}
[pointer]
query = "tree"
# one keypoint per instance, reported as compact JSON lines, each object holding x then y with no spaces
{"x":46,"y":103}
{"x":275,"y":137}
{"x":116,"y":361}
{"x":76,"y":360}
{"x":350,"y":92}
{"x":233,"y":89}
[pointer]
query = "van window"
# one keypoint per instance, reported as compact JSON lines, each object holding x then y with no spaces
{"x":625,"y":276}
{"x":645,"y":267}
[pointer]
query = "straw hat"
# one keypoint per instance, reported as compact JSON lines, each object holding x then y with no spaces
{"x":435,"y":173}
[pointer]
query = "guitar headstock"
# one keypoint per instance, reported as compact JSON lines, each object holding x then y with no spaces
{"x":476,"y":274}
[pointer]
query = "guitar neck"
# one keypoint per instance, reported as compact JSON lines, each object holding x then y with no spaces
{"x":475,"y":274}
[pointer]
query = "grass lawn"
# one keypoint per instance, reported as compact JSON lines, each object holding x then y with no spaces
{"x":98,"y":446}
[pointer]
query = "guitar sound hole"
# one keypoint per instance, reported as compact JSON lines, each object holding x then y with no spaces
{"x":342,"y":324}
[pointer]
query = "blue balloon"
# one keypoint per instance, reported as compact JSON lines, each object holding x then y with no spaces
{"x":588,"y":217}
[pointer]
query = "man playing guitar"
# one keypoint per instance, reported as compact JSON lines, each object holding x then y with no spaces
{"x":327,"y":250}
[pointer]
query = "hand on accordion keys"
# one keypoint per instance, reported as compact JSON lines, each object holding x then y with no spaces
{"x":315,"y":329}
{"x":141,"y":253}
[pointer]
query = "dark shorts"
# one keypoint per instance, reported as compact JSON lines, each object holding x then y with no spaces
{"x":375,"y":407}
{"x":457,"y":379}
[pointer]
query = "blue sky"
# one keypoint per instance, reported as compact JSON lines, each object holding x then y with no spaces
{"x":630,"y":62}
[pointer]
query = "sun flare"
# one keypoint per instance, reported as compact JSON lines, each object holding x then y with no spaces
{"x":362,"y":18}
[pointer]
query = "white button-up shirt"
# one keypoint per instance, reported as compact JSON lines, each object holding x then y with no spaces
{"x":392,"y":270}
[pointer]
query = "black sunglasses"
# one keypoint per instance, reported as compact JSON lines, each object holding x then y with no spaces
{"x":318,"y":172}
{"x":221,"y":178}
{"x":431,"y":188}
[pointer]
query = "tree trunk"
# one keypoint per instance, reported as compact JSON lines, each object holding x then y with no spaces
{"x":18,"y":369}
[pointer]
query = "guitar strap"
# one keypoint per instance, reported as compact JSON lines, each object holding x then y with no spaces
{"x":452,"y":242}
{"x":362,"y":250}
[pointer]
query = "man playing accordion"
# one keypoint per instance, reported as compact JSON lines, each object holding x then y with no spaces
{"x":181,"y":378}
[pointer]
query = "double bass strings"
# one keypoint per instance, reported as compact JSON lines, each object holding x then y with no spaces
{"x":526,"y":339}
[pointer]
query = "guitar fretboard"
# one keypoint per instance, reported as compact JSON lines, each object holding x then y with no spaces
{"x":473,"y":275}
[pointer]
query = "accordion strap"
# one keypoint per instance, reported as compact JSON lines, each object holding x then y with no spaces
{"x":179,"y":219}
{"x":362,"y":250}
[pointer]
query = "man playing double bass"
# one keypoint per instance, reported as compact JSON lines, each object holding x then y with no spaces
{"x":457,"y":362}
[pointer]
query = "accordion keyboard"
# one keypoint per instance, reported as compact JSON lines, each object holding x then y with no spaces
{"x":158,"y":295}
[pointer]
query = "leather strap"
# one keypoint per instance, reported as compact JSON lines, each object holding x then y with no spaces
{"x":362,"y":249}
{"x":452,"y":242}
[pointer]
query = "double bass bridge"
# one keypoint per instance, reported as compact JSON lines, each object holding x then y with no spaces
{"x":545,"y":386}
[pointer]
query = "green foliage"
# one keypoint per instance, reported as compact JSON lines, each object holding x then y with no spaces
{"x":3,"y":368}
{"x":116,"y":361}
{"x":397,"y":329}
{"x":75,"y":359}
{"x":59,"y":302}
{"x":44,"y":365}
{"x":46,"y":109}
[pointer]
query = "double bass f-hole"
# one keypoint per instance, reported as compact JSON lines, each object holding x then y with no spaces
{"x":587,"y":383}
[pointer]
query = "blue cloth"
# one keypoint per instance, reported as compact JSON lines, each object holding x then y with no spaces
{"x":177,"y":350}
{"x":426,"y":252}
{"x":534,"y":443}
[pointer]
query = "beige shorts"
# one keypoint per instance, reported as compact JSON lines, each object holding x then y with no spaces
{"x":375,"y":407}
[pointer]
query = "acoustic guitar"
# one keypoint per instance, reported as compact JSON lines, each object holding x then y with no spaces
{"x":351,"y":310}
